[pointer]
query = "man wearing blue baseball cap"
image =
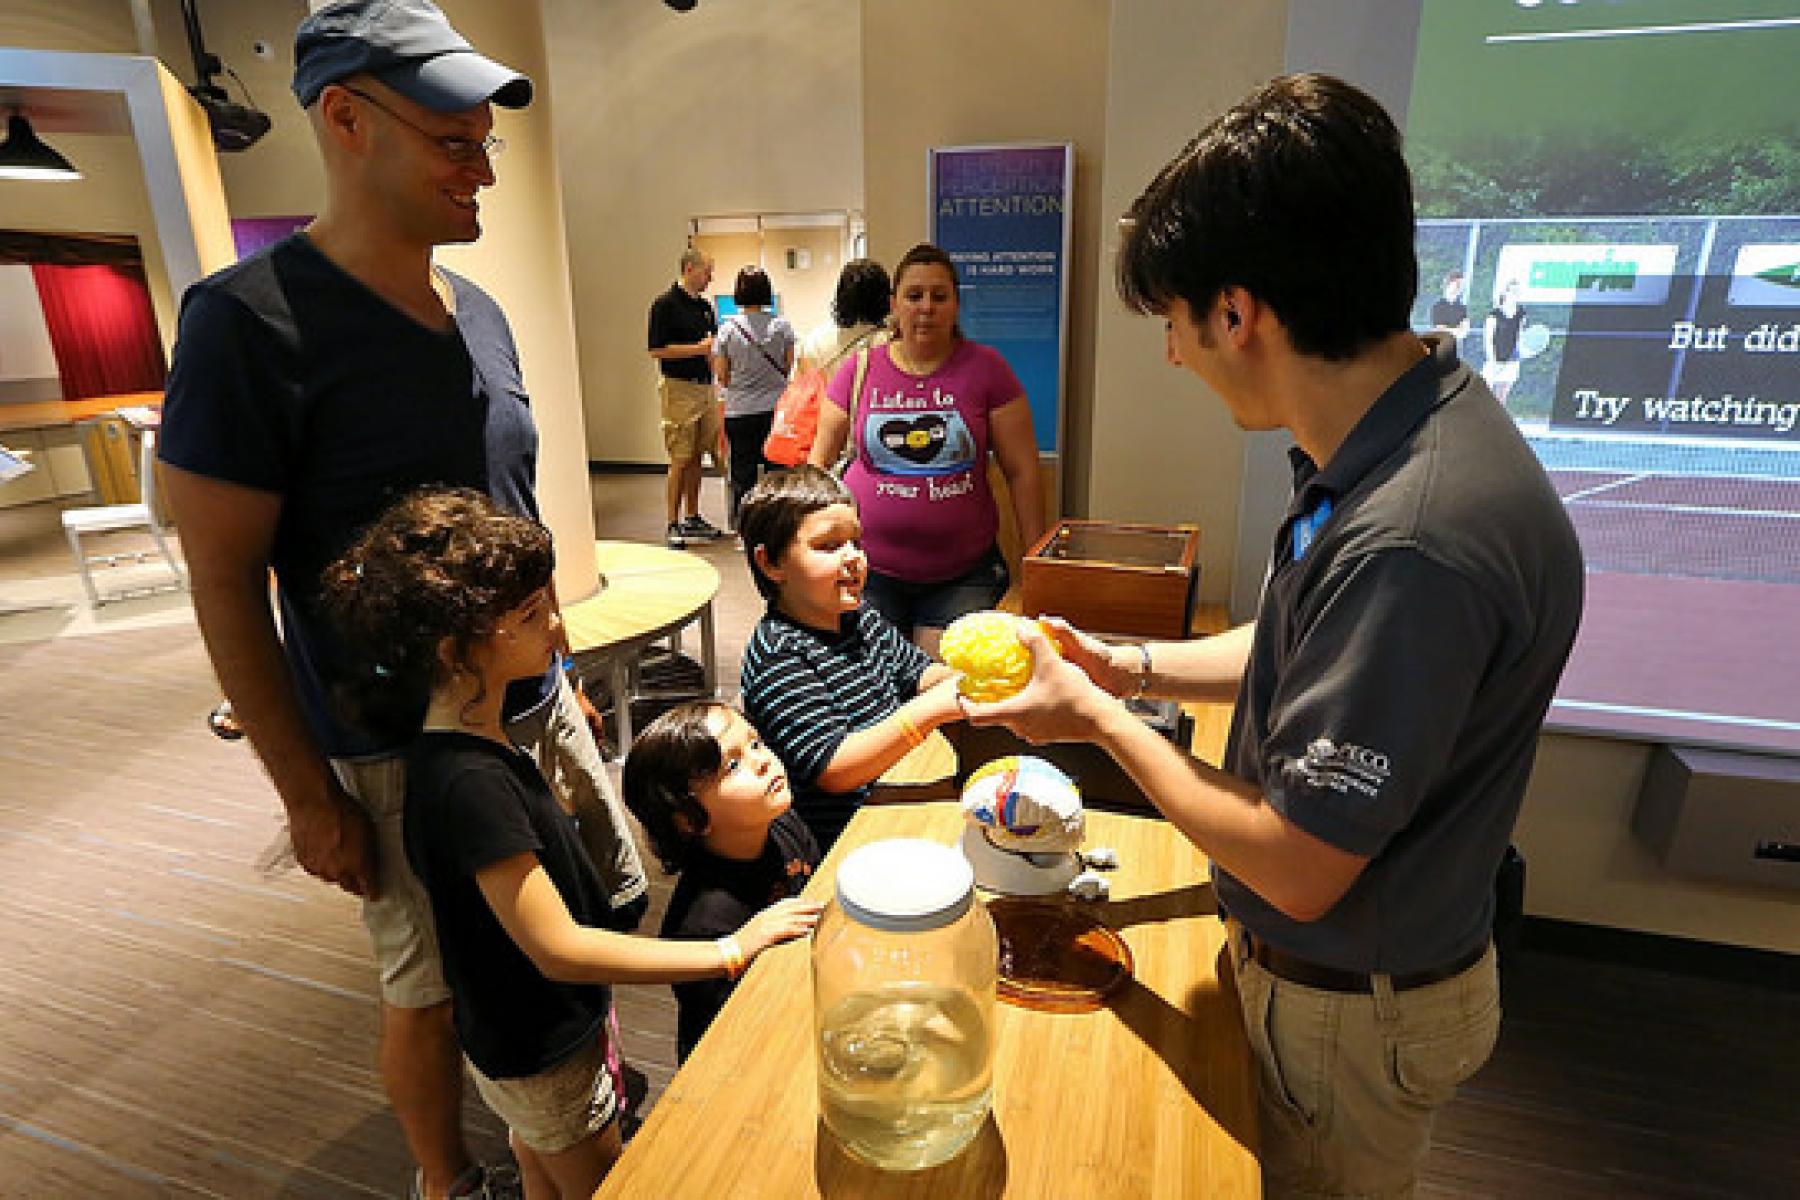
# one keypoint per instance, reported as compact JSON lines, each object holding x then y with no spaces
{"x":313,"y":384}
{"x":410,"y":47}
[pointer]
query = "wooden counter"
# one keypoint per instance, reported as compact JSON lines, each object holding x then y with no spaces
{"x":1149,"y":1097}
{"x":53,"y":414}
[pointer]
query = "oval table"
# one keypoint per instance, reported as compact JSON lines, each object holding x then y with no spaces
{"x":647,"y":593}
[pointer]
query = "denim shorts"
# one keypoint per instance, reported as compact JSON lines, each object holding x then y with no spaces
{"x":911,"y":605}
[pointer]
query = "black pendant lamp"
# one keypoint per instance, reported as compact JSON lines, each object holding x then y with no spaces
{"x":24,"y":156}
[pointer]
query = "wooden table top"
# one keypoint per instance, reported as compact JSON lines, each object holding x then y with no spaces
{"x":1151,"y":1096}
{"x":49,"y":414}
{"x":650,"y":591}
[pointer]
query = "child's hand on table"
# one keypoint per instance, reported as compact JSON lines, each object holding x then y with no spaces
{"x":782,"y":921}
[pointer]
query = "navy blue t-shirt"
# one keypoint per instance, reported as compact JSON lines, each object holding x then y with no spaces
{"x":291,"y":376}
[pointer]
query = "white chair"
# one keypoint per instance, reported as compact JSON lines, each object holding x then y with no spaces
{"x":107,"y":518}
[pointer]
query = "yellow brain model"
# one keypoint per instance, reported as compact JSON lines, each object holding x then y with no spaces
{"x":985,"y":647}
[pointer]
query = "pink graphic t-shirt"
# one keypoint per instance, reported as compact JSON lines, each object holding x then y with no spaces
{"x":920,"y":475}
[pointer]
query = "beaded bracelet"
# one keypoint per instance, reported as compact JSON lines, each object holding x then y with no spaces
{"x":733,"y":955}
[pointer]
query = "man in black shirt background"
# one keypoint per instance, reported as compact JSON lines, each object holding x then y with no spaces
{"x":682,"y":324}
{"x":1448,"y":312}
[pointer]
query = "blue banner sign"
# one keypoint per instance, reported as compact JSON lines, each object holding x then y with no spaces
{"x":1002,"y":214}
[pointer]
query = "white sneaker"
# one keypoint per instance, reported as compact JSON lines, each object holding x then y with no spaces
{"x":479,"y":1182}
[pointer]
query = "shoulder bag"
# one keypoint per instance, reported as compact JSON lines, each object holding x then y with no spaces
{"x":797,"y":412}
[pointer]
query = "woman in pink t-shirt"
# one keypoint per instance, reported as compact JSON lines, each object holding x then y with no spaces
{"x":933,"y":404}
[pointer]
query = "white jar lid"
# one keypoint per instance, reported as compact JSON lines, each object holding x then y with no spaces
{"x":905,"y":885}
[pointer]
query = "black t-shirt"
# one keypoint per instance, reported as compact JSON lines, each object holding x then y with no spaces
{"x":1506,"y":333}
{"x":290,"y":376}
{"x":470,"y":803}
{"x":1448,"y":314}
{"x":678,"y":319}
{"x":715,"y":896}
{"x":1403,"y":660}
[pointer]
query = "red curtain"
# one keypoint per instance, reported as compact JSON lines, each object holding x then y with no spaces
{"x":102,"y":329}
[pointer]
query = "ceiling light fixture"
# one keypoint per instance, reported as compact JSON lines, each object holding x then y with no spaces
{"x":24,"y":156}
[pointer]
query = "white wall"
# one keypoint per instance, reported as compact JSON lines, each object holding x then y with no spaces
{"x":522,"y":258}
{"x":90,"y":26}
{"x":280,"y":176}
{"x":953,"y":73}
{"x":25,"y":353}
{"x":1584,"y":864}
{"x":664,"y":116}
{"x":1164,"y":448}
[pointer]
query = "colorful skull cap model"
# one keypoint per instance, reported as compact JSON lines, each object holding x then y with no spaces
{"x":1025,"y":805}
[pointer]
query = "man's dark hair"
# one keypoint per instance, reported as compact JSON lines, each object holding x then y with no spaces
{"x":1299,"y":195}
{"x":863,"y":295}
{"x":774,"y":508}
{"x":752,"y":287}
{"x":677,"y":751}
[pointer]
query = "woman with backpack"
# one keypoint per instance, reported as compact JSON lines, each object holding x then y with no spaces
{"x":752,"y":356}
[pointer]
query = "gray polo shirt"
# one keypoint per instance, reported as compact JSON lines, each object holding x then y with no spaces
{"x":1402,"y":664}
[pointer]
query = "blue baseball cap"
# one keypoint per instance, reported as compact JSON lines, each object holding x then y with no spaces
{"x":408,"y":45}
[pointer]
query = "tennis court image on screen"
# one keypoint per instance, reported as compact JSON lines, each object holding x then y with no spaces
{"x":1609,"y":203}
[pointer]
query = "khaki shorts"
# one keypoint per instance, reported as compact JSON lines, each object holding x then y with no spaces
{"x":691,"y":424}
{"x":399,"y":921}
{"x":555,"y":1109}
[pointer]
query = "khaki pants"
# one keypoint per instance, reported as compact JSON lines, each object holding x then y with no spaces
{"x":1347,"y":1083}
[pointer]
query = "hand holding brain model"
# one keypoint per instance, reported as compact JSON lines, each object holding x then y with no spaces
{"x":987,"y":649}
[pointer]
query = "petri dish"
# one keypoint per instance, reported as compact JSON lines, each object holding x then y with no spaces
{"x":1055,"y":957}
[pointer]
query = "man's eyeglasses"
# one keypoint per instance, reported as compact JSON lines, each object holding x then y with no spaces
{"x":459,"y":150}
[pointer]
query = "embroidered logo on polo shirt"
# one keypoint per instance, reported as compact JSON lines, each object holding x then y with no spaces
{"x":1342,"y":768}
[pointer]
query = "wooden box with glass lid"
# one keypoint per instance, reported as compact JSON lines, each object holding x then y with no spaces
{"x":1106,"y":577}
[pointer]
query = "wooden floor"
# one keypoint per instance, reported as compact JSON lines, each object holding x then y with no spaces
{"x":174,"y":1022}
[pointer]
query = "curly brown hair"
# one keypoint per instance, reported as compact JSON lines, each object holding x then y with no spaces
{"x":440,"y":564}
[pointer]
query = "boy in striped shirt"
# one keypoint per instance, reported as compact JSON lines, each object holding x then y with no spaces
{"x":833,"y":688}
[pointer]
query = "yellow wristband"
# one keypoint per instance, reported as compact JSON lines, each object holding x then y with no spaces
{"x":913,"y":736}
{"x":733,"y":955}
